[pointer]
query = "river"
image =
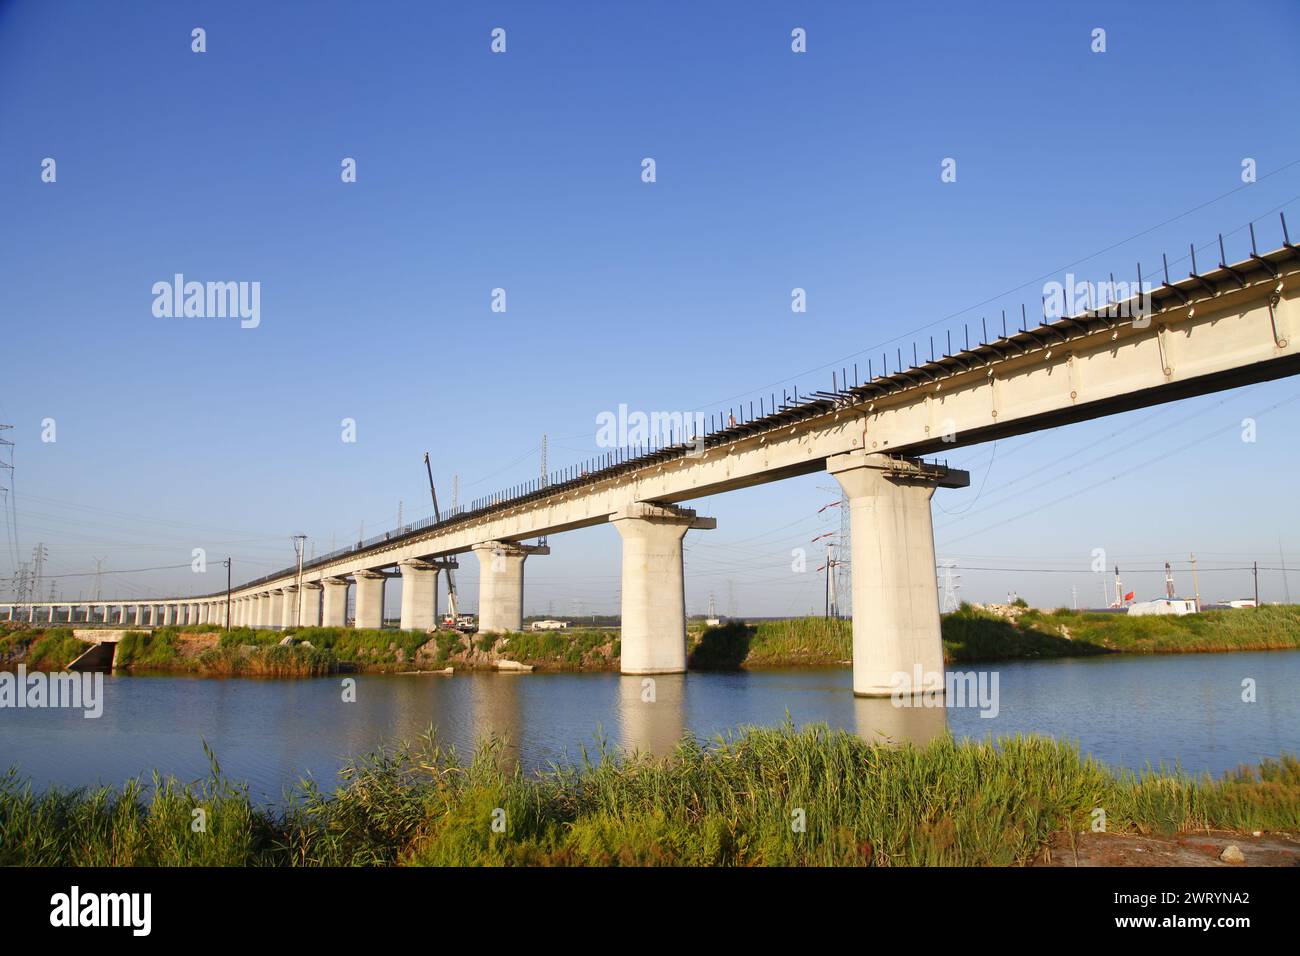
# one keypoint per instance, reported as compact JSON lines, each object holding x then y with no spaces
{"x":1127,"y":711}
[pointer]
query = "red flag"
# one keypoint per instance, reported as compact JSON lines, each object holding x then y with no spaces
{"x":1129,"y":596}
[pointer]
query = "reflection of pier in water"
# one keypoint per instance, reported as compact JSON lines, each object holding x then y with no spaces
{"x":879,"y":720}
{"x":496,"y":711}
{"x":651,"y":712}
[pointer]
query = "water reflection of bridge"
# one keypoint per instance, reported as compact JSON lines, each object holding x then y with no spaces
{"x":651,"y":715}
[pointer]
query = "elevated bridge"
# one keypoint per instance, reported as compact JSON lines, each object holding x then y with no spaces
{"x":1235,"y":325}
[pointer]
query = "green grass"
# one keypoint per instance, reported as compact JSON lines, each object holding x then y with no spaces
{"x":731,"y":802}
{"x":974,"y":635}
{"x":148,"y":650}
{"x":970,"y":634}
{"x":1272,"y":627}
{"x":48,"y":650}
{"x":370,"y":647}
{"x":803,"y":641}
{"x":584,"y":648}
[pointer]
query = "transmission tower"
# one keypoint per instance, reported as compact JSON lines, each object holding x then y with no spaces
{"x":7,"y":464}
{"x":99,"y":579}
{"x":22,"y":582}
{"x":542,"y":539}
{"x":40,"y":554}
{"x":951,"y":585}
{"x":843,"y":578}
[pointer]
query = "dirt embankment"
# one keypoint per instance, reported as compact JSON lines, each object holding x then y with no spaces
{"x":1206,"y":848}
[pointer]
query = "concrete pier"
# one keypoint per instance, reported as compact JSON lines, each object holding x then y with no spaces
{"x":309,"y":615}
{"x":419,"y":595}
{"x":501,"y":584}
{"x":289,"y":608}
{"x":895,"y":592}
{"x":370,"y":598}
{"x":654,"y":596}
{"x":275,"y":609}
{"x":334,"y":611}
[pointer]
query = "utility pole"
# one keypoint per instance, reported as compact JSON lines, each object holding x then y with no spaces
{"x":830,"y":565}
{"x":227,"y":564}
{"x":1196,"y":587}
{"x":300,"y":546}
{"x":1256,"y":568}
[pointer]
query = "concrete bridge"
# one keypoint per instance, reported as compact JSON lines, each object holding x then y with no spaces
{"x":1234,"y":325}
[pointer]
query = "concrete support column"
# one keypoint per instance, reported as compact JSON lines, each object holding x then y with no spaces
{"x":275,"y":609}
{"x":169,"y":615}
{"x":895,"y":592}
{"x":289,"y":610}
{"x":419,"y":595}
{"x":501,"y":584}
{"x":261,"y":609}
{"x":654,"y":587}
{"x":311,"y":595}
{"x":138,"y":618}
{"x":370,"y":599}
{"x":334,"y":610}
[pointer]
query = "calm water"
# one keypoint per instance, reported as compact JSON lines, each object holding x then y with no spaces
{"x":1126,"y":711}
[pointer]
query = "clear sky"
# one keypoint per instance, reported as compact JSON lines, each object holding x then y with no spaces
{"x":522,"y":171}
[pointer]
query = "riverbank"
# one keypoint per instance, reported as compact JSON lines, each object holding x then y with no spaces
{"x":782,"y":796}
{"x":970,"y":634}
{"x":973,"y":634}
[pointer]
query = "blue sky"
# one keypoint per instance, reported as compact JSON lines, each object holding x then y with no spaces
{"x":522,"y":171}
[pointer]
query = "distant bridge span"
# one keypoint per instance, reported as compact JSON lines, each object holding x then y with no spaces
{"x":1236,"y":325}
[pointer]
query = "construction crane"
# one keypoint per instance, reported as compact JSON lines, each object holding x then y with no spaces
{"x":452,"y":608}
